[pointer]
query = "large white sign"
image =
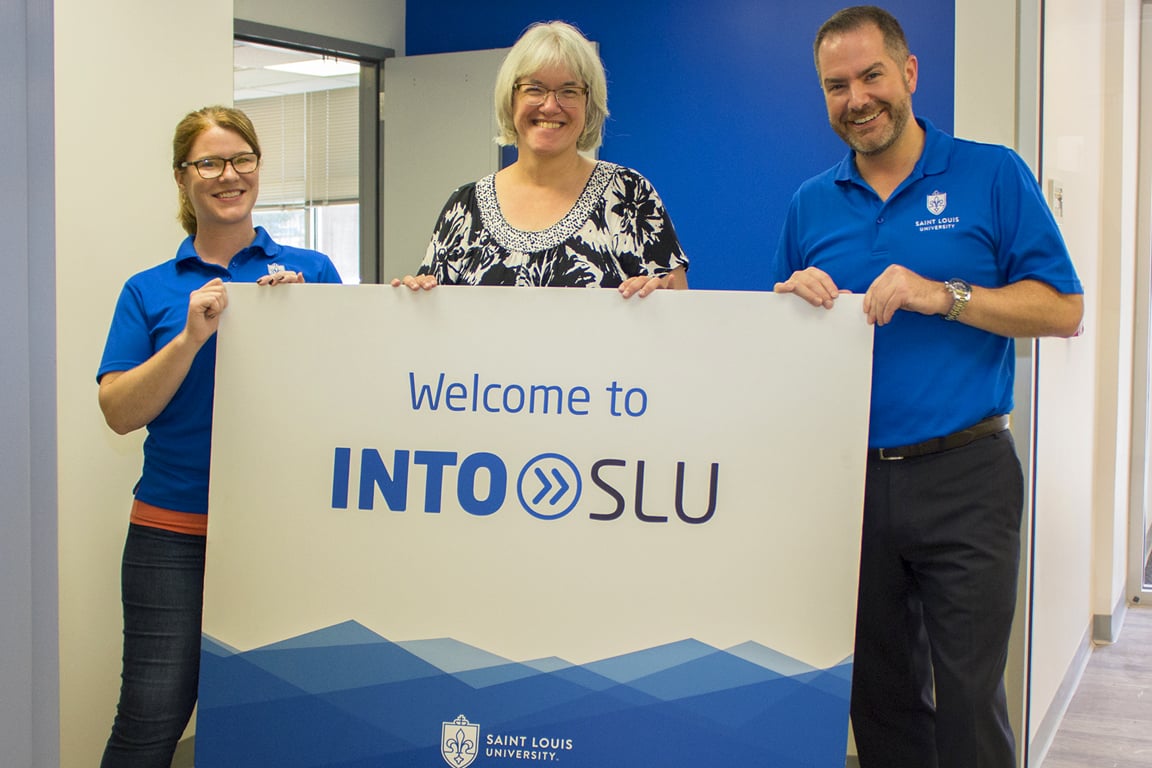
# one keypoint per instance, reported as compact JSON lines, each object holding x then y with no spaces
{"x":507,"y":525}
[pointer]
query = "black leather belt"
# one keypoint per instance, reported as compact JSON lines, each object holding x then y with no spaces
{"x":988,"y":426}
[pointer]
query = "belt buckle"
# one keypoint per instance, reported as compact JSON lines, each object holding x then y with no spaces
{"x":880,"y":453}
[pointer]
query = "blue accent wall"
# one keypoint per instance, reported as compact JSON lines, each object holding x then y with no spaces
{"x":716,"y":103}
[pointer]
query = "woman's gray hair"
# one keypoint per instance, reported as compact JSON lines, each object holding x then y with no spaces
{"x":553,"y":43}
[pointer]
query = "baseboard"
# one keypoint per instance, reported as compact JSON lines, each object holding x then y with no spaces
{"x":1106,"y":629}
{"x":1046,"y":732}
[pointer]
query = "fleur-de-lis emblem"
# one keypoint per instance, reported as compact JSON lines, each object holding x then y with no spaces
{"x":458,"y":742}
{"x":937,"y":202}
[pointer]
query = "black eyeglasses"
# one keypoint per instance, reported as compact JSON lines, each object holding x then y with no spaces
{"x":213,"y":167}
{"x":534,"y":95}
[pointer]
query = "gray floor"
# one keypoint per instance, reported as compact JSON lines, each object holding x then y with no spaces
{"x":1109,"y":721}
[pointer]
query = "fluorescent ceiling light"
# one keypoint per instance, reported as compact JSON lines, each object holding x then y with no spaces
{"x":318,"y":67}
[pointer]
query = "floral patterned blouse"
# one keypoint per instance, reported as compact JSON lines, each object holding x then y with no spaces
{"x":617,"y":229}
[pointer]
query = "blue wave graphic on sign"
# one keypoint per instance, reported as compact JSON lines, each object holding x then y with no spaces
{"x":344,"y":697}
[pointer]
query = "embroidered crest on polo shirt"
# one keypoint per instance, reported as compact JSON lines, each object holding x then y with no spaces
{"x":936,"y":203}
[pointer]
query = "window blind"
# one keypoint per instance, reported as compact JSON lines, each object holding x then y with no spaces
{"x":310,"y":145}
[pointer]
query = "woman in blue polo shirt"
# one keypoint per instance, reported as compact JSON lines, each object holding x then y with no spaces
{"x":158,"y":372}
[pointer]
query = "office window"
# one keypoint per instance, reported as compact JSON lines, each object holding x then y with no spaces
{"x":309,"y":183}
{"x":315,"y":104}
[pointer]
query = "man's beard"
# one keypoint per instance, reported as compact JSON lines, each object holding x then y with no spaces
{"x":899,"y":114}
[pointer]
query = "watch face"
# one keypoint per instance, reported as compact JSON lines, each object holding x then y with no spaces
{"x":959,"y":288}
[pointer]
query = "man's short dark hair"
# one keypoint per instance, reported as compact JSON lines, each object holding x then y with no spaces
{"x":850,"y":19}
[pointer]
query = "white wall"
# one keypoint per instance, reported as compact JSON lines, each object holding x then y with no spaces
{"x":1118,"y":221}
{"x":126,"y":72}
{"x":1084,"y":403}
{"x":985,"y":78}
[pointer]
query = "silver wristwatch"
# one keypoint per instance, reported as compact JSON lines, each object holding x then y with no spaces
{"x":961,"y":294}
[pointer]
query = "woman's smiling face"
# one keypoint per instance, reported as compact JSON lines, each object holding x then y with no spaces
{"x":229,"y":198}
{"x":548,"y":128}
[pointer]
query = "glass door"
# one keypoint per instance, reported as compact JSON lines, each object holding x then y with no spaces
{"x":1140,"y":491}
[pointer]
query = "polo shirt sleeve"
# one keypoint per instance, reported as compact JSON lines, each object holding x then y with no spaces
{"x":328,"y":272}
{"x":129,"y":339}
{"x":1031,"y":246}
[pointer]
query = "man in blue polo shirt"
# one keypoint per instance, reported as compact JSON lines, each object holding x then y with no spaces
{"x":956,"y":253}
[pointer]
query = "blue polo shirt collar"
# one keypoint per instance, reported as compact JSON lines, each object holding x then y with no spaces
{"x":933,"y":160}
{"x":262,"y":246}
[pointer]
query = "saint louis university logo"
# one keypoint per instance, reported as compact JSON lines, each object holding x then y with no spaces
{"x":937,"y":202}
{"x":458,"y":742}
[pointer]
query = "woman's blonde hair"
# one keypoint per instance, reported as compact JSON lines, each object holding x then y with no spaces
{"x":187,"y":131}
{"x":553,"y":43}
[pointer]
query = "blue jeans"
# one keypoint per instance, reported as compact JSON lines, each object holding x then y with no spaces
{"x":162,"y":585}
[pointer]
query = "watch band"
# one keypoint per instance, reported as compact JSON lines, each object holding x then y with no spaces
{"x":961,"y":295}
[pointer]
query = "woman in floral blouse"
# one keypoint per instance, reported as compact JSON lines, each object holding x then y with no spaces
{"x":554,"y":217}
